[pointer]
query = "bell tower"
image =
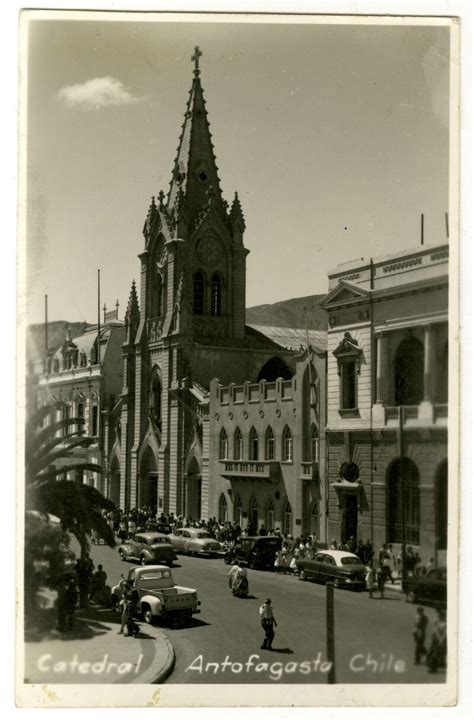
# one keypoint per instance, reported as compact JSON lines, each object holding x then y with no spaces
{"x":194,"y":262}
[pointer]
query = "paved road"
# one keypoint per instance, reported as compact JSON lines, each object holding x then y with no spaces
{"x":373,"y":637}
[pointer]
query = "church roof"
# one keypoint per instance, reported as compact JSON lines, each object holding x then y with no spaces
{"x":294,"y":338}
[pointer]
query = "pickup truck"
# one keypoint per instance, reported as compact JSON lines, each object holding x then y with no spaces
{"x":158,"y":595}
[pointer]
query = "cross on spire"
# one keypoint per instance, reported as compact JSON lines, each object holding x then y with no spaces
{"x":195,"y":57}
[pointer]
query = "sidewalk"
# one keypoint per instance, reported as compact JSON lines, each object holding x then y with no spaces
{"x":93,"y":651}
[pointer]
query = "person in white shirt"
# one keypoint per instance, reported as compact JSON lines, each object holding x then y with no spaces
{"x":267,"y":619}
{"x":232,"y":573}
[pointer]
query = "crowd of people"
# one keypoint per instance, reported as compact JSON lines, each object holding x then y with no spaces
{"x":78,"y":587}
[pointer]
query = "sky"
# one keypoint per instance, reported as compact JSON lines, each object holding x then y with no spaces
{"x":335,"y":136}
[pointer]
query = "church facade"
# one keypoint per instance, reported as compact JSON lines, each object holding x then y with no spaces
{"x":185,"y":336}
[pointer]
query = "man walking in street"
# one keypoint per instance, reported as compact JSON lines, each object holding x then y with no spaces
{"x":419,"y":634}
{"x":267,"y":619}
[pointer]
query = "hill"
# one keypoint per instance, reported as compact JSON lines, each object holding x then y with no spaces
{"x":290,"y":313}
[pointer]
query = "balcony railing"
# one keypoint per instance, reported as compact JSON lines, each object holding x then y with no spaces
{"x":309,"y":471}
{"x":440,"y":411}
{"x":250,"y":469}
{"x":393,"y":412}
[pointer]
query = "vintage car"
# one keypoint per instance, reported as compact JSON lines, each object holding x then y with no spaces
{"x":194,"y":541}
{"x":344,"y":569}
{"x":157,"y":594}
{"x":148,"y":547}
{"x":429,"y":588}
{"x":257,"y":552}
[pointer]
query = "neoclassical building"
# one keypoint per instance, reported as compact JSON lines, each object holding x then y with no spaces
{"x":186,"y":336}
{"x":84,"y":375}
{"x":387,"y":386}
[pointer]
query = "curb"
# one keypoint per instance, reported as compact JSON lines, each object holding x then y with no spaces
{"x":167,"y":669}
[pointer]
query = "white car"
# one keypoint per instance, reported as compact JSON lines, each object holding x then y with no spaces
{"x":194,"y":541}
{"x":342,"y":568}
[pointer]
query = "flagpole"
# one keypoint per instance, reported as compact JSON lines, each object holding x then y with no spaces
{"x":98,"y":317}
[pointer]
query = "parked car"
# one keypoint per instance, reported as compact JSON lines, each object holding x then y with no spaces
{"x":158,"y":594}
{"x":194,"y":541}
{"x":257,"y":552}
{"x":157,"y":527}
{"x":148,"y":547}
{"x":342,"y":568}
{"x":430,"y":588}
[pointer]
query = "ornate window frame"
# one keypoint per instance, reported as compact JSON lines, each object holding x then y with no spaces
{"x":348,"y":353}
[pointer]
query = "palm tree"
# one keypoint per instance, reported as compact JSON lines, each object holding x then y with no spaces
{"x":79,"y":507}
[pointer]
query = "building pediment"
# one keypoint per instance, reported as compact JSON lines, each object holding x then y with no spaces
{"x":344,"y":292}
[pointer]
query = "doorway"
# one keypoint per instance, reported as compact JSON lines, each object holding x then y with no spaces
{"x":349,"y":517}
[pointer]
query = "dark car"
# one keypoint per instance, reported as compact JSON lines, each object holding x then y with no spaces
{"x":342,"y":568}
{"x":429,"y":588}
{"x":257,"y":552}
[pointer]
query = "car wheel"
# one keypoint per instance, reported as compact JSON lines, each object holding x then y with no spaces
{"x":122,"y":555}
{"x":411,"y":597}
{"x":147,"y":614}
{"x":143,"y":560}
{"x":302,"y":574}
{"x":337,"y":582}
{"x":227,"y":559}
{"x":253,"y":563}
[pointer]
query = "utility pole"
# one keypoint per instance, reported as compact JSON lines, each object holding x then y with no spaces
{"x":401,"y":417}
{"x":330,"y":644}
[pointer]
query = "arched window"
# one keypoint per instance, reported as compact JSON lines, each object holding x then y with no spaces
{"x":269,"y":444}
{"x":403,"y":502}
{"x":238,"y":445}
{"x":238,"y":512}
{"x":253,"y":444}
{"x":223,"y":445}
{"x":216,"y":295}
{"x":270,"y":519}
{"x":222,"y":509}
{"x":198,"y":293}
{"x":155,"y":397}
{"x":287,"y":520}
{"x":314,"y":443}
{"x":409,"y":369}
{"x":287,"y":445}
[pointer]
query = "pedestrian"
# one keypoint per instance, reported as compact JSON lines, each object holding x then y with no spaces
{"x":84,"y":569}
{"x":419,"y":634}
{"x":381,"y":581}
{"x":98,"y":582}
{"x":267,"y":619}
{"x":133,"y":628}
{"x":67,"y":601}
{"x":232,"y":574}
{"x":437,"y":653}
{"x":370,"y":580}
{"x":123,"y":605}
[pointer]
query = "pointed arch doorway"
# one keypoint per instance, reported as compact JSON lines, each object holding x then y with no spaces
{"x":193,"y":491}
{"x":148,"y":481}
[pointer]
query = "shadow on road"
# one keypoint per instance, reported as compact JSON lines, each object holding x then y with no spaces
{"x":286,"y":651}
{"x":87,"y":624}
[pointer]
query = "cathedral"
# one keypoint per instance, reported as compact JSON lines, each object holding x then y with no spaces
{"x":187,"y":348}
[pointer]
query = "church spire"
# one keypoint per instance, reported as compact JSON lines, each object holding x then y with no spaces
{"x":132,"y":316}
{"x":195,"y":169}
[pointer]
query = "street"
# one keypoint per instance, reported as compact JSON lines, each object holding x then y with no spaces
{"x":373,"y":637}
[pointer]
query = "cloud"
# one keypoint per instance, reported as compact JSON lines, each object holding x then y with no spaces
{"x":97,"y":93}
